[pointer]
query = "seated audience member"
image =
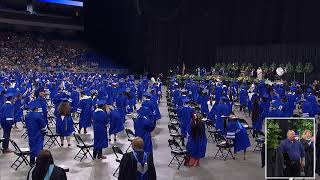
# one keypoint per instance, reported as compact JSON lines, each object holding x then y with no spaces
{"x":307,"y":142}
{"x":137,"y":165}
{"x":197,"y":142}
{"x":45,"y":168}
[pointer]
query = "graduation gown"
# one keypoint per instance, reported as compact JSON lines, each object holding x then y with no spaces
{"x":128,"y":168}
{"x":184,"y":116}
{"x":307,"y":109}
{"x":153,"y":107}
{"x":243,"y":97}
{"x":121,"y":103}
{"x":196,"y":146}
{"x":143,"y":128}
{"x":85,"y":111}
{"x":308,"y":169}
{"x":203,"y":100}
{"x":7,"y":115}
{"x":241,"y":141}
{"x":18,"y":110}
{"x":42,"y":108}
{"x":64,"y":125}
{"x":100,"y":134}
{"x":36,"y":128}
{"x":75,"y":100}
{"x":221,"y":110}
{"x":116,"y":123}
{"x":57,"y":174}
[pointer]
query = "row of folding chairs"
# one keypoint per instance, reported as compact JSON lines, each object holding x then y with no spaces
{"x":176,"y":140}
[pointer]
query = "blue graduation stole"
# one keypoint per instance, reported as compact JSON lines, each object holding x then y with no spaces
{"x":142,"y":167}
{"x":49,"y":172}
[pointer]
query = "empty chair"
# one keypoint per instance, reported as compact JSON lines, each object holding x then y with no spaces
{"x":175,"y":134}
{"x":225,"y":144}
{"x":179,"y":154}
{"x":52,"y":139}
{"x":84,"y":148}
{"x":259,"y":139}
{"x":118,"y":153}
{"x":22,"y":153}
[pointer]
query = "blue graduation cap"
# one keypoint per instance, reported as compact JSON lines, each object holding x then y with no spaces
{"x":185,"y":99}
{"x":292,"y":88}
{"x":101,"y":102}
{"x":9,"y":95}
{"x":224,"y":98}
{"x":309,"y":90}
{"x":266,"y":96}
{"x":146,"y":94}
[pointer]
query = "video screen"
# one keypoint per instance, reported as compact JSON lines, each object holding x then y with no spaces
{"x":64,"y":2}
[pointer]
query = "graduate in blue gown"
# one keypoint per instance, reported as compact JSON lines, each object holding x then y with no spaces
{"x":36,"y":128}
{"x":100,"y":134}
{"x":42,"y":103}
{"x":203,"y":100}
{"x":85,"y":111}
{"x":185,"y":115}
{"x":276,"y":109}
{"x":140,"y":91}
{"x":75,"y":96}
{"x":143,"y":126}
{"x":307,"y":109}
{"x":116,"y":123}
{"x":291,"y":101}
{"x":222,"y":109}
{"x":7,"y":120}
{"x":257,"y":119}
{"x":121,"y":104}
{"x":147,"y":102}
{"x":64,"y":122}
{"x":243,"y":98}
{"x":197,"y":142}
{"x":18,"y":109}
{"x":241,"y":139}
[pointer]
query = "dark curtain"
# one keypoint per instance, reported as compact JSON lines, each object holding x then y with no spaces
{"x":155,"y":35}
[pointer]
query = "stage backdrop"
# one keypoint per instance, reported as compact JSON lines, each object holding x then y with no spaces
{"x":154,"y":35}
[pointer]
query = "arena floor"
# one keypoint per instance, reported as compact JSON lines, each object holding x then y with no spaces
{"x":210,"y":168}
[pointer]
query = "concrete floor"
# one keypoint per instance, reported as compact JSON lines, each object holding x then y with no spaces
{"x":210,"y":168}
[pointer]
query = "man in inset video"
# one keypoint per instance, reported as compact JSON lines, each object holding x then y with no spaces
{"x":296,"y":154}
